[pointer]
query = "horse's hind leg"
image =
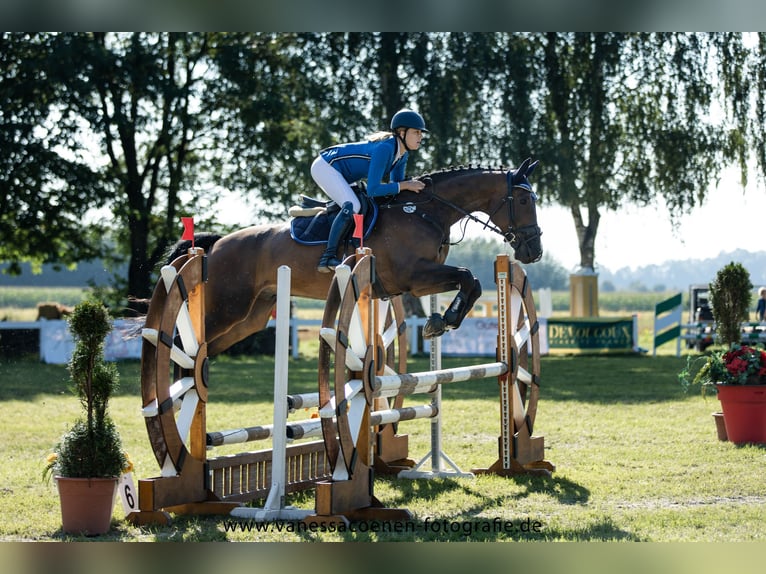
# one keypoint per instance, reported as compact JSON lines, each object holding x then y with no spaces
{"x":255,"y":321}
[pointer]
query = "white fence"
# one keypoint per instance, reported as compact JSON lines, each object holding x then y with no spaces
{"x":477,"y":336}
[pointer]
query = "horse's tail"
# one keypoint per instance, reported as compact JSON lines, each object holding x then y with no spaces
{"x":203,"y":240}
{"x":139,"y":307}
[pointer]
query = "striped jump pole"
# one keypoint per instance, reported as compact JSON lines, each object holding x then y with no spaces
{"x":312,"y":428}
{"x":238,"y":436}
{"x":404,"y":384}
{"x":274,"y":507}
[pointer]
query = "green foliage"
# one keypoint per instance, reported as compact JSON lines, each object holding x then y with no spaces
{"x":479,"y":255}
{"x":738,"y":365}
{"x":152,"y":125}
{"x":730,"y":295}
{"x":704,"y":371}
{"x":94,"y":452}
{"x":92,"y":447}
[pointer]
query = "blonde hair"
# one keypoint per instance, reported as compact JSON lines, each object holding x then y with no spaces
{"x":379,"y":136}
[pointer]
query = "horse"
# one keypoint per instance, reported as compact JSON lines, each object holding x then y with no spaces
{"x":410,"y":242}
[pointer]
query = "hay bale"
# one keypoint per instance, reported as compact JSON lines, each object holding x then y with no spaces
{"x":53,"y":311}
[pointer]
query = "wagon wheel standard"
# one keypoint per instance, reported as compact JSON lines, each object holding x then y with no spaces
{"x":525,"y":343}
{"x":518,"y":347}
{"x":174,"y":365}
{"x":360,"y":337}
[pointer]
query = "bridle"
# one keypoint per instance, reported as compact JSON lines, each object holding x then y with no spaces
{"x":516,"y":236}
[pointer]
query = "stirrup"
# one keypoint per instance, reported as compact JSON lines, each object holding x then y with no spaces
{"x":328,"y":265}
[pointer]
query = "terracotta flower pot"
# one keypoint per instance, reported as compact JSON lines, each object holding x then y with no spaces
{"x":86,"y":504}
{"x":744,"y":412}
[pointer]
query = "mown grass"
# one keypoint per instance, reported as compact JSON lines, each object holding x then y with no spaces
{"x":636,"y":459}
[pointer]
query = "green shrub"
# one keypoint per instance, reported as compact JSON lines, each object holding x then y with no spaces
{"x":730,"y":295}
{"x":92,"y":447}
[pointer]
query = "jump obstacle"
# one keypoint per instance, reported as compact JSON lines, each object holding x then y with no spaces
{"x":362,"y":385}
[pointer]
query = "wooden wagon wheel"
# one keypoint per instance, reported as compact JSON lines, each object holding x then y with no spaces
{"x":174,"y":366}
{"x":525,"y":342}
{"x":360,"y":337}
{"x":518,"y":345}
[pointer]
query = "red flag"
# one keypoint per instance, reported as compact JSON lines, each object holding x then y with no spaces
{"x":188,"y":229}
{"x":358,"y":226}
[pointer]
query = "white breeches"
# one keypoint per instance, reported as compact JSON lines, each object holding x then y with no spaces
{"x":333,"y":183}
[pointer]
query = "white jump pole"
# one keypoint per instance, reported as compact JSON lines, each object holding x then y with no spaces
{"x":436,"y":455}
{"x":275,"y":508}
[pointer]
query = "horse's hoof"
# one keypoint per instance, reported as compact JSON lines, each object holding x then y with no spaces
{"x":325,"y":269}
{"x":434,"y":327}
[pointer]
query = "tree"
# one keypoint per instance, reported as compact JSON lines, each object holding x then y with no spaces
{"x":44,"y":189}
{"x":479,"y":254}
{"x":623,"y":118}
{"x":148,"y":126}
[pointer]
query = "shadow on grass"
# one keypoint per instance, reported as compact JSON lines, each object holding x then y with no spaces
{"x":486,"y":520}
{"x":561,"y":489}
{"x":467,"y":525}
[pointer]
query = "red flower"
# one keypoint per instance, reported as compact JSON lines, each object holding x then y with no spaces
{"x":736,"y":366}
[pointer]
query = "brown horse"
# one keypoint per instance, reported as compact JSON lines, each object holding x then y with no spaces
{"x":410,"y":242}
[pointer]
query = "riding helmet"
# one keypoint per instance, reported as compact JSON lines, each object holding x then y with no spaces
{"x":408,"y":119}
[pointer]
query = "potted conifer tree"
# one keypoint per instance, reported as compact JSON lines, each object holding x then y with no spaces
{"x":737,"y":372}
{"x":88,"y":460}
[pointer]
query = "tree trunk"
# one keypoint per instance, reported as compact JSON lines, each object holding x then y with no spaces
{"x":586,"y":235}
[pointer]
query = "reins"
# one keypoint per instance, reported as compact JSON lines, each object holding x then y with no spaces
{"x":509,"y":235}
{"x":466,"y":214}
{"x":515,"y":235}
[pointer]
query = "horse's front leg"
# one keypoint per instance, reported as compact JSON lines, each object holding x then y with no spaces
{"x":470,"y":291}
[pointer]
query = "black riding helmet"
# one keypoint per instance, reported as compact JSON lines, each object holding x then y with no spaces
{"x":408,"y":119}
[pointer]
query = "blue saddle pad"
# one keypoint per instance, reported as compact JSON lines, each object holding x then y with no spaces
{"x":315,"y":229}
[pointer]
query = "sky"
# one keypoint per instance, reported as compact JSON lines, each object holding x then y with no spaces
{"x":730,"y":218}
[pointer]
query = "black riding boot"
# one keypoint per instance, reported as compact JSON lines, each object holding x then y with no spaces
{"x":340,"y":226}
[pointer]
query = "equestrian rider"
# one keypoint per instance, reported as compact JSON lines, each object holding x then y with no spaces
{"x":381,"y":159}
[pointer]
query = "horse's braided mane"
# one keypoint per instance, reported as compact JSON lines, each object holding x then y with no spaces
{"x":454,"y":170}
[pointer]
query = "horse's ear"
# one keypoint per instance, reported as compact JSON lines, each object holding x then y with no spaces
{"x":520,"y":173}
{"x":531,"y":168}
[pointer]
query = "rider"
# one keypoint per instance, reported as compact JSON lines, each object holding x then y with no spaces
{"x":383,"y":156}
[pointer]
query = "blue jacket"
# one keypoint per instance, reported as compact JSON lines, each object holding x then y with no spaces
{"x":373,"y":160}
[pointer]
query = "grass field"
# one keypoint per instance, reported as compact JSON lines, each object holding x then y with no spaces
{"x":636,"y":459}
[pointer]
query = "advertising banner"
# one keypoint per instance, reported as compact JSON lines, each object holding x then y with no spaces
{"x":591,"y":335}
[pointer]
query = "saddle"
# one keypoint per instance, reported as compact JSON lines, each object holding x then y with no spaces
{"x":313,"y":218}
